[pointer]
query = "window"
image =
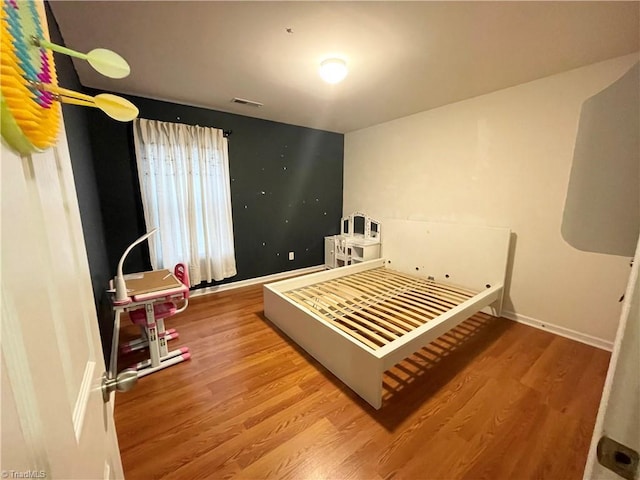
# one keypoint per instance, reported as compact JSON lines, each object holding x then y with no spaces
{"x":184,"y":182}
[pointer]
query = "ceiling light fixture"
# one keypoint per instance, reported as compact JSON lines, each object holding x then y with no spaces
{"x":333,"y":70}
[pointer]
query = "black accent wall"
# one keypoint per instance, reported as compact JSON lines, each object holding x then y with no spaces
{"x":76,"y":126}
{"x":286,"y":187}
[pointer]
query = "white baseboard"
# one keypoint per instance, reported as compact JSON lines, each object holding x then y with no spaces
{"x":557,"y":330}
{"x":516,"y":317}
{"x":255,"y":281}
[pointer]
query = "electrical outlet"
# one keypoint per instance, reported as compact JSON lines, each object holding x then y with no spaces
{"x":291,"y":256}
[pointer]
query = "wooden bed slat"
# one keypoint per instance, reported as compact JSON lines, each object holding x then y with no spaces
{"x":374,"y":287}
{"x":374,"y":277}
{"x":380,"y":305}
{"x":361,"y":307}
{"x":439,"y":291}
{"x":459,"y":288}
{"x":351,"y":322}
{"x":454,"y":288}
{"x":374,"y":291}
{"x":418,"y":306}
{"x":398,"y":309}
{"x":420,"y":317}
{"x":365,"y":282}
{"x":370,"y":301}
{"x":442,"y":292}
{"x":443,"y":295}
{"x":440,"y":303}
{"x":391,"y":298}
{"x":428,"y":286}
{"x":421,"y":304}
{"x":347,"y":311}
{"x":349,"y":331}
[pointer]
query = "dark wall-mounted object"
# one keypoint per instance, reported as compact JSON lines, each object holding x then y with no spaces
{"x":602,"y":209}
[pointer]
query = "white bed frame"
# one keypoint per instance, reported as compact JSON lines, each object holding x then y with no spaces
{"x":471,"y":256}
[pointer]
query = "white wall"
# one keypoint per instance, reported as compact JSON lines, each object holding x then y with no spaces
{"x":501,"y":159}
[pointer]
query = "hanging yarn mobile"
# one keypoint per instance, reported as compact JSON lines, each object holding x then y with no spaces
{"x":29,"y":92}
{"x":30,"y":117}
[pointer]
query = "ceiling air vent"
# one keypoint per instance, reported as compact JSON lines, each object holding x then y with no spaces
{"x":244,"y":101}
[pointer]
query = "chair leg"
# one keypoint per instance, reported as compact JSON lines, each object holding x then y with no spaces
{"x":162,"y":339}
{"x":174,"y":357}
{"x":155,"y":338}
{"x":142,"y":342}
{"x":152,"y":332}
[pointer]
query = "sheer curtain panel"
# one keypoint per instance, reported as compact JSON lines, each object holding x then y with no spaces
{"x":184,"y":181}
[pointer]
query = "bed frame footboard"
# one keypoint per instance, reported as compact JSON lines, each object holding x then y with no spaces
{"x":355,"y":365}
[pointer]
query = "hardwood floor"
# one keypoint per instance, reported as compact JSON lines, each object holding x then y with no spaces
{"x":492,"y":399}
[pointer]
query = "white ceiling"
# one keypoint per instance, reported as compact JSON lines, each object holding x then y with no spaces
{"x":403,"y":57}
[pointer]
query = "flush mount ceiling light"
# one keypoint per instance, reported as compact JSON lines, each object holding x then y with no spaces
{"x":333,"y":70}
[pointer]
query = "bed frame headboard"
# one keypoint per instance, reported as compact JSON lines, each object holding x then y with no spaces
{"x":470,"y":255}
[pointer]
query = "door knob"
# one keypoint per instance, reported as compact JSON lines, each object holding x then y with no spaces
{"x":618,"y":458}
{"x":124,"y":382}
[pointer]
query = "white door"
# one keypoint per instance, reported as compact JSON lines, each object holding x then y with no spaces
{"x":619,"y":413}
{"x":54,"y":420}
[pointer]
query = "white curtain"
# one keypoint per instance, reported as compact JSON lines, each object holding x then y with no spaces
{"x":184,"y":181}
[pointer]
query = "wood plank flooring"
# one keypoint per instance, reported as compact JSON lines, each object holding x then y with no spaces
{"x":492,"y":399}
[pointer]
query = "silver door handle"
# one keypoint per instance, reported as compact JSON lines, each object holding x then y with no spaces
{"x":124,"y":382}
